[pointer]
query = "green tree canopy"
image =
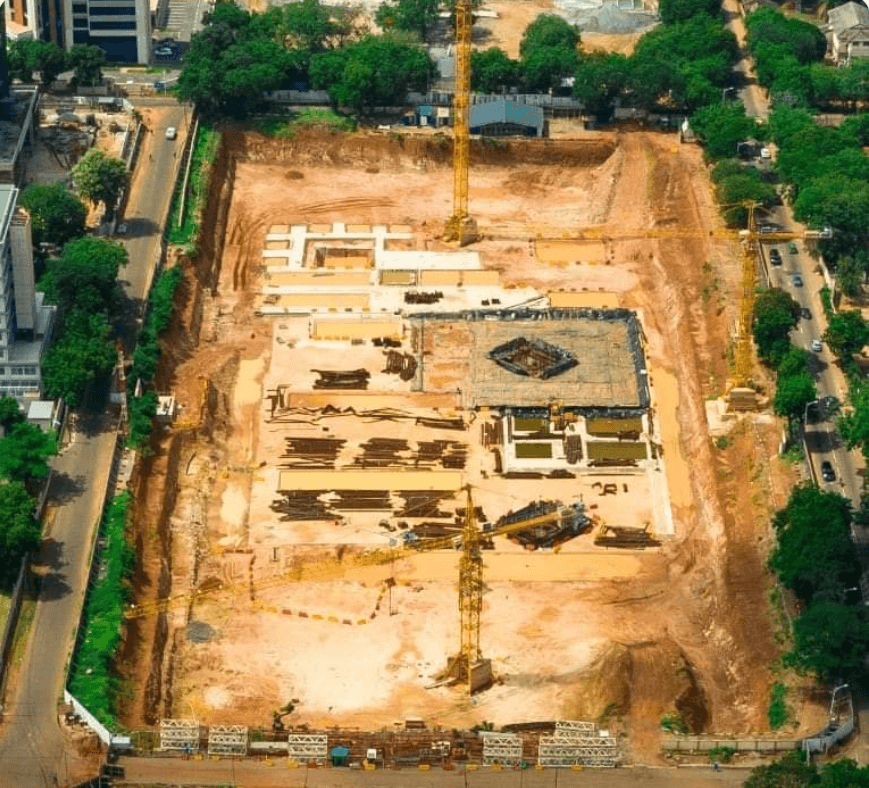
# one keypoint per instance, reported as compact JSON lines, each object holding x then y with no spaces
{"x":721,"y":126}
{"x":24,"y":453}
{"x":85,"y":276}
{"x":598,"y":79}
{"x":854,"y":425}
{"x":548,"y":51}
{"x":416,"y":16}
{"x":19,"y":529}
{"x":10,"y":412}
{"x":793,"y":393}
{"x":492,"y":70}
{"x":87,"y":62}
{"x":775,"y":315}
{"x":791,"y":771}
{"x":57,"y":215}
{"x":672,"y":11}
{"x":831,"y":640}
{"x":100,"y":178}
{"x":376,"y":71}
{"x":847,"y":333}
{"x":26,"y":56}
{"x":813,"y":555}
{"x":737,"y":185}
{"x":82,"y":352}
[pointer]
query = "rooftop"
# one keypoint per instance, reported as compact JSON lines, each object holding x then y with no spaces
{"x":849,"y":15}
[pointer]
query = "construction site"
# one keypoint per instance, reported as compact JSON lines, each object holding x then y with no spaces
{"x":403,"y":480}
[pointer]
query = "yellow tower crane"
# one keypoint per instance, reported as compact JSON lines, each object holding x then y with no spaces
{"x":460,"y":227}
{"x":467,"y":666}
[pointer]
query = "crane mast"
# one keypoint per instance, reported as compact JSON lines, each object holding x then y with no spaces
{"x":460,"y":227}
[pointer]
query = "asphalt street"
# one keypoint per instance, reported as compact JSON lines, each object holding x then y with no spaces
{"x":148,"y":205}
{"x":32,"y":750}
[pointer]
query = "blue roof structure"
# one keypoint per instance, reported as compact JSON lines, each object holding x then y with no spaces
{"x":502,"y":111}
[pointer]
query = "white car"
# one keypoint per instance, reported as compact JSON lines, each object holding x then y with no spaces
{"x":765,"y":154}
{"x":817,"y":347}
{"x":171,"y":133}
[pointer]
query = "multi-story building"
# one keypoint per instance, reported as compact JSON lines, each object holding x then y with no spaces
{"x":121,"y":28}
{"x":25,"y":320}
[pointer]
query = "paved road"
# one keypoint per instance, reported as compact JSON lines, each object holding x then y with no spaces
{"x":157,"y":771}
{"x":32,"y":748}
{"x":150,"y":195}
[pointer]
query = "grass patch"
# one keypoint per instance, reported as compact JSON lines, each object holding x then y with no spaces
{"x":533,"y":451}
{"x":92,"y":680}
{"x":673,"y":723}
{"x":184,"y":229}
{"x":25,"y":620}
{"x":285,"y":127}
{"x":721,"y":754}
{"x":5,"y":601}
{"x":778,"y":712}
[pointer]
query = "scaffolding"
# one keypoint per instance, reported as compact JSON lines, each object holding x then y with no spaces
{"x":577,"y":743}
{"x":307,"y":746}
{"x":227,"y":740}
{"x":503,"y":748}
{"x":181,"y":735}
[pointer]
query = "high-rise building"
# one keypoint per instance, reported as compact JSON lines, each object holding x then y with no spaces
{"x":25,"y":320}
{"x":121,"y":28}
{"x":42,"y":19}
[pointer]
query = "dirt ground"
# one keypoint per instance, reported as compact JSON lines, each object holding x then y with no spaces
{"x":572,"y":633}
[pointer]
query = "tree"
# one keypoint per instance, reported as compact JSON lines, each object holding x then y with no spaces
{"x":57,"y":215}
{"x":376,"y":71}
{"x":25,"y":57}
{"x":598,"y":80}
{"x":740,"y":188}
{"x":850,"y":274}
{"x":24,"y":452}
{"x":413,"y":15}
{"x":673,"y":11}
{"x":831,"y":640}
{"x":854,"y":426}
{"x":10,"y":412}
{"x":548,"y":51}
{"x":793,"y":393}
{"x":844,"y":774}
{"x":85,"y":277}
{"x":492,"y":70}
{"x":721,"y":126}
{"x":19,"y":529}
{"x":791,"y":771}
{"x":82,"y":352}
{"x":775,"y":314}
{"x":87,"y":62}
{"x":100,"y":179}
{"x":813,"y":555}
{"x":847,"y":332}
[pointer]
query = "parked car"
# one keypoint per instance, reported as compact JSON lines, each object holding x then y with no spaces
{"x":817,"y":347}
{"x":775,"y":256}
{"x":765,"y":154}
{"x":827,"y":472}
{"x":797,"y":280}
{"x":767,"y":228}
{"x":164,"y":52}
{"x":792,"y":248}
{"x":171,"y":133}
{"x":805,"y":313}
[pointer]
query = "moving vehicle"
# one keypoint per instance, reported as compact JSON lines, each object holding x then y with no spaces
{"x":171,"y":133}
{"x":775,"y":256}
{"x":827,"y":472}
{"x":805,"y":314}
{"x":797,"y":280}
{"x":817,"y":347}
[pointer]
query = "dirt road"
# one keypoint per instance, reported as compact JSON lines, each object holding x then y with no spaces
{"x":251,"y":774}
